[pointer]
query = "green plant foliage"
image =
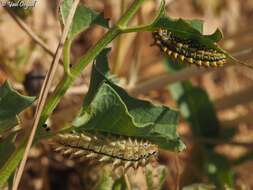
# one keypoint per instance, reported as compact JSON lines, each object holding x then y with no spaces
{"x":161,"y":175}
{"x":6,"y":148}
{"x":11,"y":164}
{"x":218,"y":169}
{"x":108,"y":108}
{"x":189,"y":29}
{"x":11,"y":104}
{"x":198,"y":110}
{"x":119,"y":184}
{"x":105,"y":182}
{"x":192,"y":30}
{"x":83,"y":18}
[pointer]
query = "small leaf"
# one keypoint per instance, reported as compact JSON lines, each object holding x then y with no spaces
{"x":162,"y":173}
{"x":199,"y":112}
{"x":195,"y":106}
{"x":11,"y":164}
{"x":108,"y":108}
{"x":105,"y":182}
{"x":155,"y":180}
{"x":197,"y":24}
{"x":119,"y":184}
{"x":219,"y":170}
{"x":216,"y":36}
{"x":6,"y":148}
{"x":191,"y":30}
{"x":149,"y":178}
{"x":11,"y":104}
{"x":83,"y":18}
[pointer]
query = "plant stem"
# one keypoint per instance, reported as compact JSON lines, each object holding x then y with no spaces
{"x":127,"y":182}
{"x":141,"y":28}
{"x":67,"y":81}
{"x":130,"y":13}
{"x":66,"y":56}
{"x":44,"y":93}
{"x":62,"y":87}
{"x":116,"y":62}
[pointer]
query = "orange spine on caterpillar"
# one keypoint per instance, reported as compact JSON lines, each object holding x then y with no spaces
{"x":188,"y":51}
{"x":119,"y":151}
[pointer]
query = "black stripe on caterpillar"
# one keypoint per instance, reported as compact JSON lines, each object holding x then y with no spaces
{"x":119,"y":151}
{"x":188,"y":50}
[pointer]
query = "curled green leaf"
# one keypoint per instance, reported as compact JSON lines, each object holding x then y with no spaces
{"x":108,"y":108}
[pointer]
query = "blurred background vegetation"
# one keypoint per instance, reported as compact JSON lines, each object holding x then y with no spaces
{"x":216,"y":104}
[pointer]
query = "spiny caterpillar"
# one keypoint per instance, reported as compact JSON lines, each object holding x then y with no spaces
{"x":188,"y":50}
{"x":119,"y":151}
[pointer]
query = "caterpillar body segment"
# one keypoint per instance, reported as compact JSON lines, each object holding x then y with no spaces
{"x":119,"y":151}
{"x":188,"y":51}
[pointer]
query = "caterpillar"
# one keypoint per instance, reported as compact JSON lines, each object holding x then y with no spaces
{"x":188,"y":50}
{"x":120,"y":151}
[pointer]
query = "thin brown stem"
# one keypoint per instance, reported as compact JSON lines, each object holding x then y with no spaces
{"x":44,"y":92}
{"x":127,"y":181}
{"x":134,"y":68}
{"x":177,"y":165}
{"x":30,"y":33}
{"x":117,"y":61}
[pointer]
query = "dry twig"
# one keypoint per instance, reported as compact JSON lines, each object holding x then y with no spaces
{"x":30,"y":33}
{"x":44,"y":92}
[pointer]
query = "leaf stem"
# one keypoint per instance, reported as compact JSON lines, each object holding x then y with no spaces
{"x":67,"y":81}
{"x":62,"y":87}
{"x":66,"y":56}
{"x":44,"y":93}
{"x":130,"y":13}
{"x":140,"y":28}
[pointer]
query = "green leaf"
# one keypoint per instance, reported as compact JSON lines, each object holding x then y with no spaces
{"x":11,"y":104}
{"x":192,"y":30}
{"x":162,"y":173}
{"x":108,"y":108}
{"x":198,"y":111}
{"x":6,"y":148}
{"x":197,"y":24}
{"x":7,"y":123}
{"x":219,"y":170}
{"x":216,"y":36}
{"x":151,"y":176}
{"x":105,"y":182}
{"x":83,"y":18}
{"x":11,"y":164}
{"x":188,"y":29}
{"x":195,"y":106}
{"x":119,"y":184}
